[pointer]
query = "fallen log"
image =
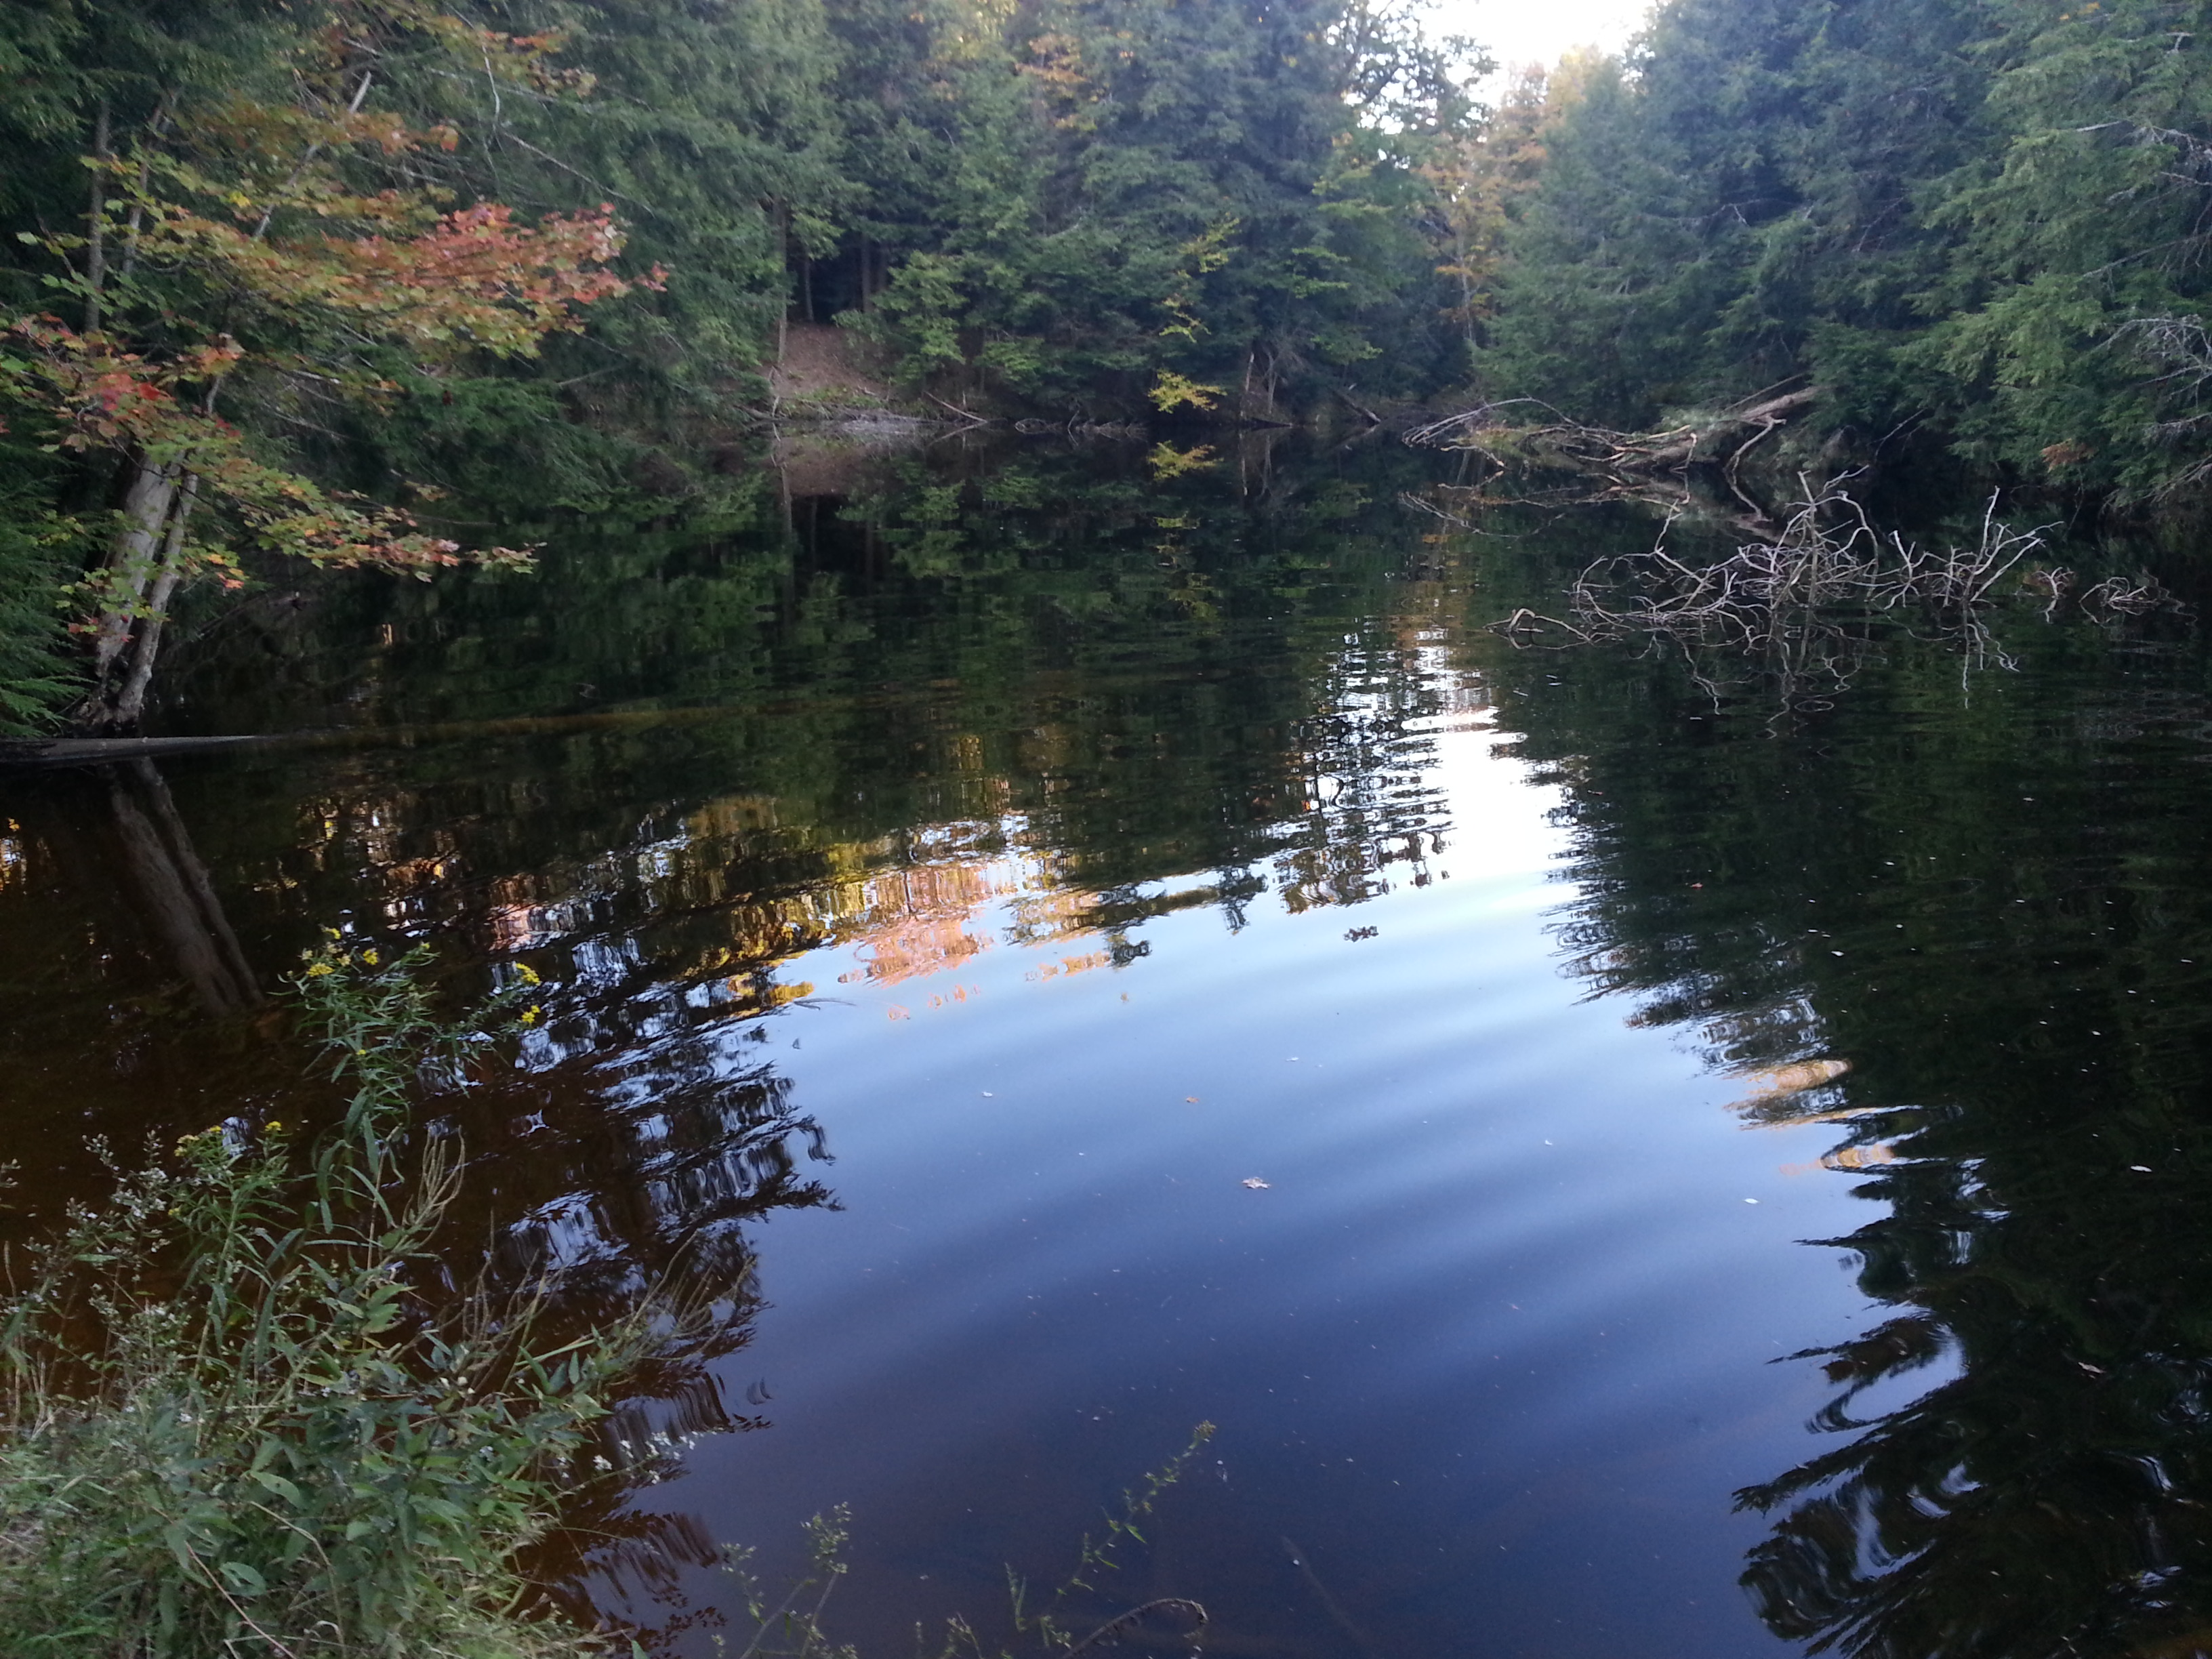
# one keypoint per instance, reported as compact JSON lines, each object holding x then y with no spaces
{"x":1720,"y":438}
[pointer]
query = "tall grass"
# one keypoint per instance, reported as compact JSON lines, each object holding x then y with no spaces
{"x":41,"y":551}
{"x":244,"y":1421}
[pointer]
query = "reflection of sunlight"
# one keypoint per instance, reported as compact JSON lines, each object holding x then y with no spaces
{"x":965,"y":887}
{"x":1486,"y":797}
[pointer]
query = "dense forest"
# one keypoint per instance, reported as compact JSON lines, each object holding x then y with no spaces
{"x":1976,"y":223}
{"x":280,"y":275}
{"x":359,"y":281}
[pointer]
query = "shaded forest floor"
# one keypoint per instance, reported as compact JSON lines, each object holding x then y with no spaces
{"x":826,"y":370}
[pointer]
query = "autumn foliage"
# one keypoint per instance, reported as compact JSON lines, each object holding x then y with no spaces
{"x":274,"y":252}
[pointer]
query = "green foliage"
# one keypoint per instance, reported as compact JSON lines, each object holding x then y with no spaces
{"x":1736,"y":205}
{"x":241,"y":1418}
{"x":40,"y":552}
{"x":1983,"y":220}
{"x":1113,"y":197}
{"x":2074,"y":323}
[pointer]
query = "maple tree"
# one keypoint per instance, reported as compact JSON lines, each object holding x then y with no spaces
{"x":275,"y":244}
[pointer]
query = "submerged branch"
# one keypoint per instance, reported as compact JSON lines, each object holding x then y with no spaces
{"x":1800,"y":608}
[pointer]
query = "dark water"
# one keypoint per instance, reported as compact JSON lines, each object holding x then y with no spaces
{"x":1737,"y":1170}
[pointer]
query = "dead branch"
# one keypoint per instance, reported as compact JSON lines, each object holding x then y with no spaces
{"x":1722,"y":440}
{"x":1798,"y":606}
{"x":966,"y":415}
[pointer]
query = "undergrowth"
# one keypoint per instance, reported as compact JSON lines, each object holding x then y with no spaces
{"x":40,"y":552}
{"x":241,"y":1423}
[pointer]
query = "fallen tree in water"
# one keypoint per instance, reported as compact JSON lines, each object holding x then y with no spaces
{"x":1720,"y":438}
{"x":1800,"y":609}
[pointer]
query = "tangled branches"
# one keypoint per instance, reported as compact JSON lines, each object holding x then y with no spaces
{"x":1720,"y":438}
{"x":1802,"y":607}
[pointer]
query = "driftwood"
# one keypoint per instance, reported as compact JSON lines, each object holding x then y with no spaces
{"x":1797,"y":610}
{"x":1721,"y":439}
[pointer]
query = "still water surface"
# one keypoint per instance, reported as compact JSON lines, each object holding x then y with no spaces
{"x":1081,"y":952}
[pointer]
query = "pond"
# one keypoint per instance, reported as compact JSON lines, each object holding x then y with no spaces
{"x":1081,"y":944}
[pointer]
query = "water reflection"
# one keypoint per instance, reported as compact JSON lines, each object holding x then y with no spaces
{"x":999,"y":822}
{"x":1972,"y":927}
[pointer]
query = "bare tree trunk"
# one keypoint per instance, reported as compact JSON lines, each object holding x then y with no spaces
{"x":783,"y":263}
{"x":144,"y":565}
{"x":130,"y":705}
{"x":130,"y":561}
{"x":154,"y":130}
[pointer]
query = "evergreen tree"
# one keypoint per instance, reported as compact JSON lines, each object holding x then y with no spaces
{"x":1189,"y":205}
{"x":2071,"y":324}
{"x":1735,"y":208}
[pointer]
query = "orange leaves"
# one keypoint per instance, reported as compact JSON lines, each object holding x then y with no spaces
{"x":96,"y":394}
{"x":478,"y":278}
{"x":100,"y":397}
{"x":264,"y":217}
{"x":468,"y":280}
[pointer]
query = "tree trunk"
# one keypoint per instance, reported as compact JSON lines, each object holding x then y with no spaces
{"x":130,"y":561}
{"x":1721,"y":441}
{"x":130,"y":705}
{"x":145,"y":564}
{"x":782,"y":216}
{"x":95,"y":237}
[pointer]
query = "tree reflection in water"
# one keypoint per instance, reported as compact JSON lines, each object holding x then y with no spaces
{"x":913,"y":724}
{"x":1971,"y":923}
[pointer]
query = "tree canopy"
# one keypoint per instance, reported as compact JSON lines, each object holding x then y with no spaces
{"x":1981,"y":220}
{"x":278,"y":278}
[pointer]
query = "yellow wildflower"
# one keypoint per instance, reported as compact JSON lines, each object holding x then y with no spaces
{"x":530,"y":1014}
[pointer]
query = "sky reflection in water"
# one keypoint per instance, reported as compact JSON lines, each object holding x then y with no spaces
{"x":1488,"y":1347}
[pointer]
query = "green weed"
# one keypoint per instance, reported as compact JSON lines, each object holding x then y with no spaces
{"x":237,"y":1423}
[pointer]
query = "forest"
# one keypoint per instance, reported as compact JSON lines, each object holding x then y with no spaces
{"x":281,"y":277}
{"x":654,"y":527}
{"x":359,"y":282}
